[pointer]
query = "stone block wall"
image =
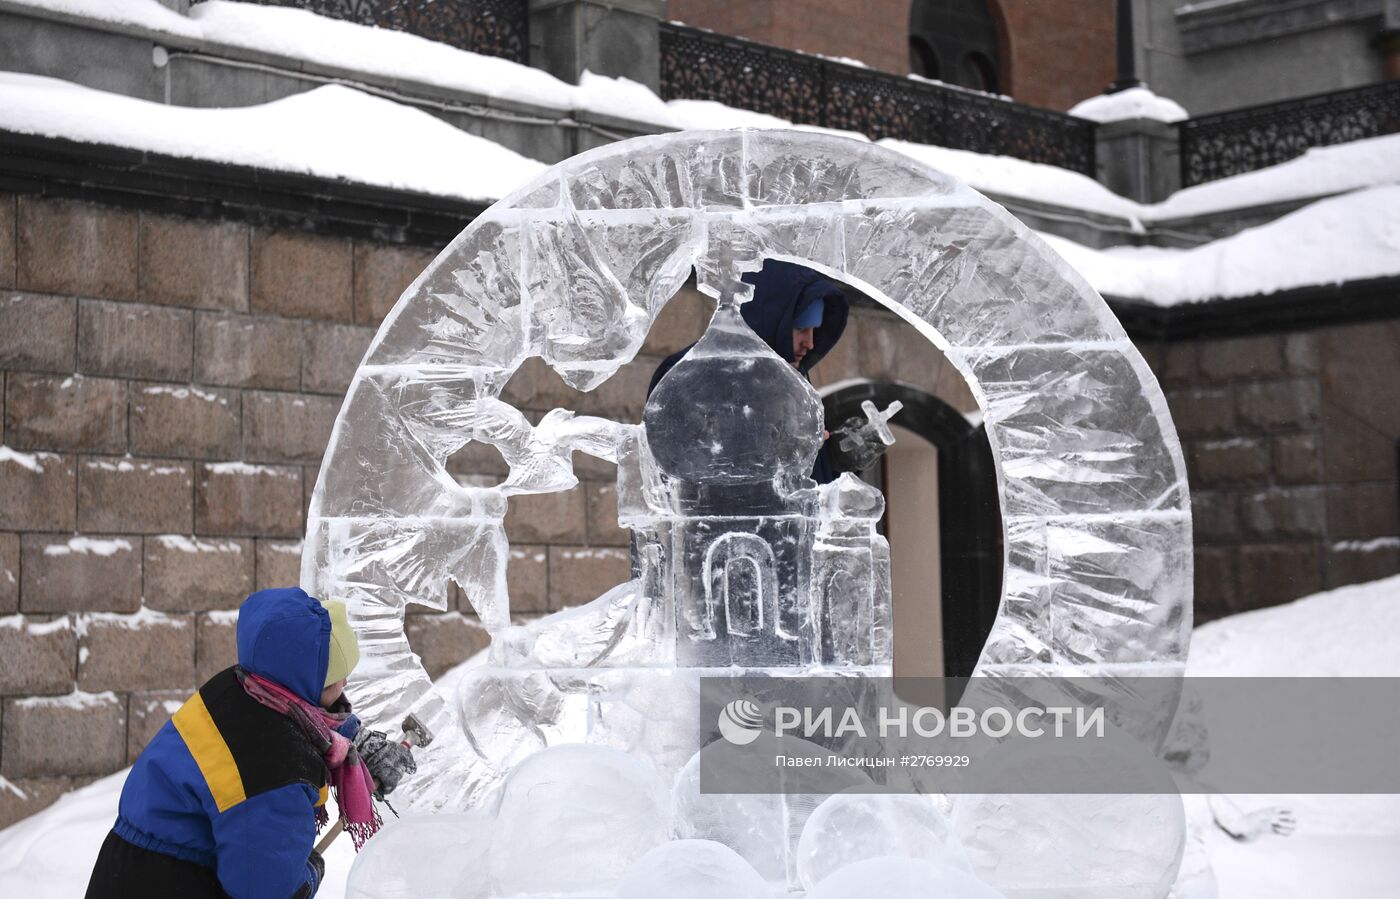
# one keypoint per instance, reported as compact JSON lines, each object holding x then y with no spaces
{"x":1291,"y":444}
{"x":168,"y":387}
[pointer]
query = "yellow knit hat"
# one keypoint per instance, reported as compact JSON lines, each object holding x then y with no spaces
{"x":345,"y":649}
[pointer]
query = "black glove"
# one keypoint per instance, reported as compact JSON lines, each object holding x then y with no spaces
{"x":318,"y":874}
{"x":387,"y":761}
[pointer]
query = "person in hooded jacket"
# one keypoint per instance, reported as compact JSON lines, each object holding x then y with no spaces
{"x":227,"y":798}
{"x":801,"y":316}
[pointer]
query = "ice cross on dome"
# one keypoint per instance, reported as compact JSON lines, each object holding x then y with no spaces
{"x":732,"y":290}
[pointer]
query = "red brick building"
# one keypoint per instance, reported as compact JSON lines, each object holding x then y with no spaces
{"x":1050,"y":53}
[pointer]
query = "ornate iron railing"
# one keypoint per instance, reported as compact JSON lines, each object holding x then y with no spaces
{"x":811,"y":90}
{"x":493,"y":27}
{"x":1242,"y":140}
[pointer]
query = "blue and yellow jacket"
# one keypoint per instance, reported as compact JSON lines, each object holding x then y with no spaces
{"x":230,"y":784}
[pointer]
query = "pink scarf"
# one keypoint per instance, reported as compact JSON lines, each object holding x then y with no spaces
{"x":350,"y":779}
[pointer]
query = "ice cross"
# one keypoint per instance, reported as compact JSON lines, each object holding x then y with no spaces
{"x":732,"y":291}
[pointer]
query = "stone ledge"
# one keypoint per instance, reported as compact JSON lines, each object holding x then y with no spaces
{"x":1206,"y":27}
{"x":117,"y":176}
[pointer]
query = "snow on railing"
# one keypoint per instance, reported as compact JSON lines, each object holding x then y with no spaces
{"x":492,"y":27}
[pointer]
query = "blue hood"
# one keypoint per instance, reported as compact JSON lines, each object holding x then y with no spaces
{"x":781,"y":291}
{"x":285,"y":636}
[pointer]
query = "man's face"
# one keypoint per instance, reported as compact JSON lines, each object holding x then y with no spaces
{"x":802,"y":343}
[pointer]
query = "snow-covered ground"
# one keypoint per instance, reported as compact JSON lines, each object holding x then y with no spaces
{"x":1346,"y":847}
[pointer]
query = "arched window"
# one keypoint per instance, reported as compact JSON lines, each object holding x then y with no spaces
{"x":741,"y":580}
{"x":945,"y":461}
{"x":922,"y":60}
{"x":979,"y":72}
{"x":964,"y":33}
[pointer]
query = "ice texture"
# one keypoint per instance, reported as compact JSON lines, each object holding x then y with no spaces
{"x":425,"y":856}
{"x":741,"y":564}
{"x":1074,"y":846}
{"x":693,"y":869}
{"x":902,"y":878}
{"x":850,"y":828}
{"x":764,"y":828}
{"x":573,"y":819}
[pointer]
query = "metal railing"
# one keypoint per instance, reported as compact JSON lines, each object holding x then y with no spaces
{"x":812,"y":90}
{"x":1242,"y":140}
{"x":492,"y":27}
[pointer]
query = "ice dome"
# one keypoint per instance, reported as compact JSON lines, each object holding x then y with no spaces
{"x":740,"y":404}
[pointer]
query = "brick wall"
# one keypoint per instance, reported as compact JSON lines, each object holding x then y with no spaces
{"x":1057,"y":52}
{"x":1054,"y":53}
{"x":876,"y":32}
{"x":1291,"y":443}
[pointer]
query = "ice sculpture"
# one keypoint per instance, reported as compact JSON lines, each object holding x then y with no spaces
{"x":422,"y":856}
{"x":741,"y":562}
{"x":693,"y":869}
{"x":850,"y":828}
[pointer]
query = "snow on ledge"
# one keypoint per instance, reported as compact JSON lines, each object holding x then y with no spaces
{"x":181,"y":543}
{"x":250,"y":469}
{"x":34,"y":628}
{"x":135,"y":621}
{"x":148,"y":14}
{"x":329,"y":132}
{"x":386,"y":144}
{"x":88,"y":546}
{"x":1133,"y":103}
{"x":75,"y":700}
{"x":1346,"y":238}
{"x":29,"y":461}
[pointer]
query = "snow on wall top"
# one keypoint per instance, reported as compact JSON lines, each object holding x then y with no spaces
{"x":148,"y":14}
{"x":1133,"y":103}
{"x":1344,"y":238}
{"x":352,"y":47}
{"x":329,"y":132}
{"x":338,"y":132}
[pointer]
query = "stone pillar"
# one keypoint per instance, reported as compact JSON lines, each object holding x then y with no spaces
{"x":1139,"y":159}
{"x":618,"y":38}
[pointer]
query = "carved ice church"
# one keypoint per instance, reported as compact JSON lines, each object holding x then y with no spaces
{"x":763,"y":568}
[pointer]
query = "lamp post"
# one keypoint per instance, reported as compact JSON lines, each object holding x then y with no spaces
{"x":1127,"y":55}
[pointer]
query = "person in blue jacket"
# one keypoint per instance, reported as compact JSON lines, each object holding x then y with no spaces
{"x":226,"y":800}
{"x":801,"y":316}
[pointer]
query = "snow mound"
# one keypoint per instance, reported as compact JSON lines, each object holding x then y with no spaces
{"x":1010,"y":177}
{"x":330,"y":132}
{"x":1133,"y":103}
{"x":1345,"y":238}
{"x":1347,"y":632}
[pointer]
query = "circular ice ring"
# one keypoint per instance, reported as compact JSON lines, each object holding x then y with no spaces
{"x":575,"y":266}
